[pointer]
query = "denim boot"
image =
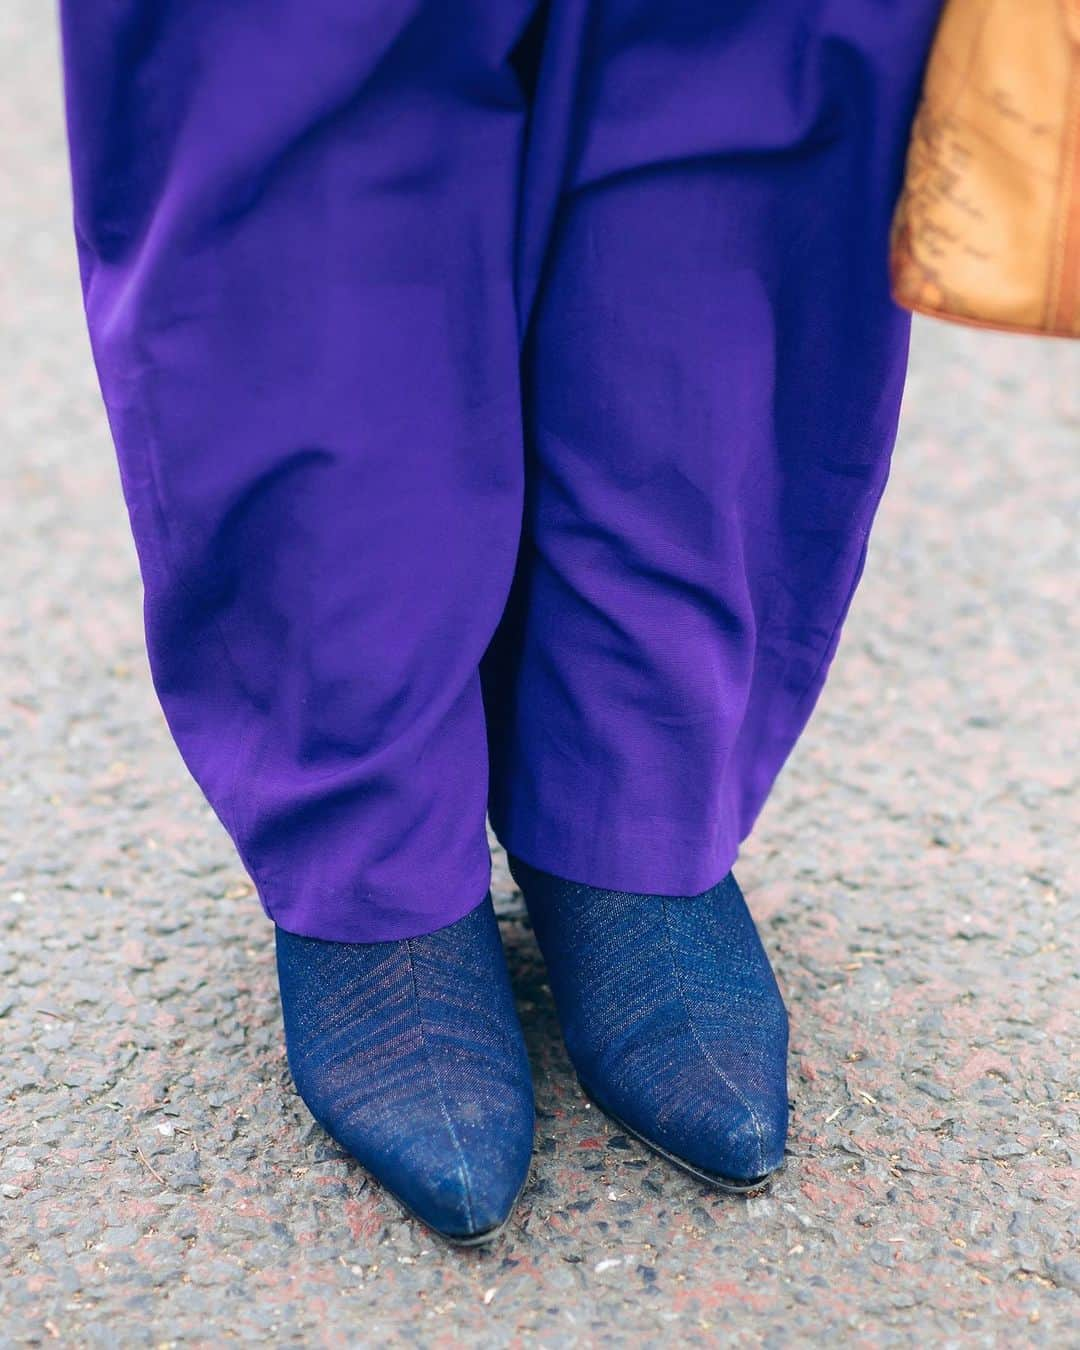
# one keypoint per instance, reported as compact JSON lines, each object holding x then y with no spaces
{"x":672,"y":1018}
{"x":411,"y":1056}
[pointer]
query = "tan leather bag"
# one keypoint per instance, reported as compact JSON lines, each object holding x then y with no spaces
{"x":987,"y":228}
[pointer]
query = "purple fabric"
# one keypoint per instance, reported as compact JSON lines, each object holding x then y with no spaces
{"x":395,"y":303}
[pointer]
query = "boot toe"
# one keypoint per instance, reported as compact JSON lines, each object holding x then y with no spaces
{"x":709,"y":1114}
{"x":463,"y":1198}
{"x":744,"y":1145}
{"x":457,"y":1170}
{"x":735,"y":1142}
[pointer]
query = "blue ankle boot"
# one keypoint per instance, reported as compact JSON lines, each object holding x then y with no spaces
{"x":672,"y":1018}
{"x":411,"y":1056}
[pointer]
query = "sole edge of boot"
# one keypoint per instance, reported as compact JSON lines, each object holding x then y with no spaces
{"x":714,"y":1180}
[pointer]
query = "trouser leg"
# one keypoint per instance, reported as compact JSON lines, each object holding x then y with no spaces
{"x":296,"y":228}
{"x":713,"y":377}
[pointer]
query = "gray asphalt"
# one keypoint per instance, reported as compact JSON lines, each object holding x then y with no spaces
{"x":913,"y":876}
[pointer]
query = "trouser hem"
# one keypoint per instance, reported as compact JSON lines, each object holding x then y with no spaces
{"x":636,"y":859}
{"x":378,"y":918}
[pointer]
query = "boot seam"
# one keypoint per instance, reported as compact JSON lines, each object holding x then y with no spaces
{"x":724,"y":1078}
{"x":463,"y":1166}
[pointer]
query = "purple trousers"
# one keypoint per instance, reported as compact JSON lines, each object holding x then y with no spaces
{"x":503,"y":393}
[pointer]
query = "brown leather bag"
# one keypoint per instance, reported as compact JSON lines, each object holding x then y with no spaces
{"x":987,"y":228}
